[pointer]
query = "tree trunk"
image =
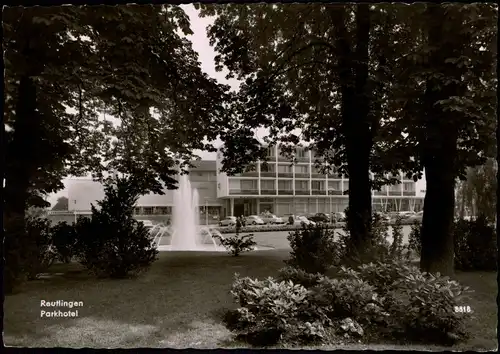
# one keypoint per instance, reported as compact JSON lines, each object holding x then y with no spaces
{"x":355,"y":110}
{"x":437,"y":224}
{"x":17,"y":182}
{"x":439,"y":144}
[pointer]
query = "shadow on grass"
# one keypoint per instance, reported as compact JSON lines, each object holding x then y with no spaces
{"x":178,"y":303}
{"x":171,"y":305}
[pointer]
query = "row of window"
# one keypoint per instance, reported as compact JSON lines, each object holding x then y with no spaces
{"x":167,"y":210}
{"x":301,"y":185}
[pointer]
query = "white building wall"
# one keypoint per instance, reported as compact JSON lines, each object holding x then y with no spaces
{"x":222,"y":180}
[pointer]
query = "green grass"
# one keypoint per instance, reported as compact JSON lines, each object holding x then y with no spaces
{"x":178,"y":304}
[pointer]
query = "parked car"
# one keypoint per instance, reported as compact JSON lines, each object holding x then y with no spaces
{"x":302,"y":220}
{"x":319,"y":217}
{"x":402,"y":214}
{"x":338,"y":216}
{"x":229,"y":221}
{"x":271,"y":219}
{"x":385,"y":217}
{"x":254,"y":220}
{"x":416,"y":217}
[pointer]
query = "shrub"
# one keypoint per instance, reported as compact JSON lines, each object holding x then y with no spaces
{"x":382,"y":275}
{"x":344,"y":298}
{"x":64,"y":238}
{"x":237,"y":244}
{"x":113,"y":243}
{"x":40,"y":253}
{"x":398,"y":250}
{"x":314,"y":249}
{"x":415,"y":238}
{"x":273,"y":311}
{"x":378,"y":247}
{"x":419,"y":304}
{"x":475,"y":245}
{"x":299,"y":276}
{"x":422,"y":308}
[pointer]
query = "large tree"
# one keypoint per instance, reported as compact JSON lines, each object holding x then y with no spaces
{"x":322,"y":69}
{"x":384,"y":87}
{"x":444,"y":103}
{"x":65,"y":65}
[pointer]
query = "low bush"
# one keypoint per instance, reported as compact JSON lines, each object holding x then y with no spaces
{"x":422,"y":307}
{"x":40,"y":253}
{"x":420,"y":304}
{"x":237,"y":244}
{"x":299,"y":276}
{"x":64,"y":238}
{"x":415,"y":238}
{"x":343,"y":298}
{"x":392,"y":300}
{"x":314,"y":249}
{"x":271,"y":312}
{"x":475,"y":245}
{"x":113,"y":243}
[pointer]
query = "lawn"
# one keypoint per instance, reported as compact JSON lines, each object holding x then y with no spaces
{"x":178,"y":303}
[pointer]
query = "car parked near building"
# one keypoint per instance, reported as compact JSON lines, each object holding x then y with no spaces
{"x":229,"y":221}
{"x":416,"y":217}
{"x":254,"y":220}
{"x":319,"y":217}
{"x":338,"y":216}
{"x":302,"y":220}
{"x":271,"y":219}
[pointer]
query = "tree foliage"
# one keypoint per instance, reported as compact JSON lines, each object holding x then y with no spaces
{"x":65,"y":66}
{"x":382,"y":88}
{"x":132,"y":62}
{"x":61,"y":204}
{"x":477,"y":194}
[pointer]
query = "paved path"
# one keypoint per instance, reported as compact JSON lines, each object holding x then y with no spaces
{"x":277,"y":239}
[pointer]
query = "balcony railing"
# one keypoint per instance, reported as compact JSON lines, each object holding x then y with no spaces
{"x":301,"y":175}
{"x":317,"y":175}
{"x":283,"y":159}
{"x":302,"y":159}
{"x":250,"y":174}
{"x":334,"y":192}
{"x":382,"y":193}
{"x":318,"y":192}
{"x":243,"y":192}
{"x":267,"y":174}
{"x":285,"y":192}
{"x":285,"y":174}
{"x":409,"y":193}
{"x":395,"y":193}
{"x":268,"y":191}
{"x":302,"y":192}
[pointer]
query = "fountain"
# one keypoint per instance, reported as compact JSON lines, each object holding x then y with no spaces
{"x":185,"y":233}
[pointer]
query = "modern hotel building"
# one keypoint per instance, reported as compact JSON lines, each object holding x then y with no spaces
{"x":285,"y":188}
{"x":277,"y":186}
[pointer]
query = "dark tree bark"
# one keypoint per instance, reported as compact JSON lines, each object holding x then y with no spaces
{"x":439,"y":156}
{"x":353,"y":73}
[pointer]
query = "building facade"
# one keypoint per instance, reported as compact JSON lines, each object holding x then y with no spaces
{"x":84,"y":192}
{"x":277,"y":186}
{"x":285,"y":188}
